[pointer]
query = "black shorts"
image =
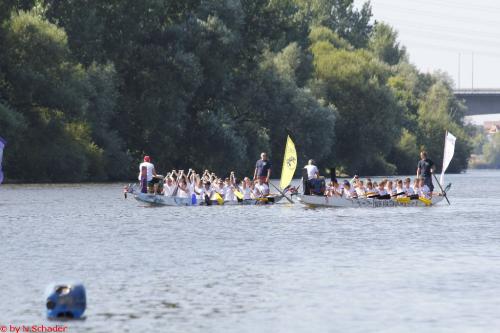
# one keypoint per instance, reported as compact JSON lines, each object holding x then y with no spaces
{"x":428,"y":182}
{"x":153,"y":181}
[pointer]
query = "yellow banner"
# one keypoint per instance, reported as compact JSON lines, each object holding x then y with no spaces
{"x":289,"y":163}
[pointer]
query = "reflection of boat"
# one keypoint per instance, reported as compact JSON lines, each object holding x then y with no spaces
{"x":158,"y":199}
{"x":319,"y":200}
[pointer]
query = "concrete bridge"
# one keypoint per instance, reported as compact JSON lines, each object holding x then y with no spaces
{"x":480,"y":101}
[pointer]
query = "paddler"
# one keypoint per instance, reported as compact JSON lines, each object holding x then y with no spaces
{"x":261,"y":188}
{"x":407,"y":188}
{"x":263,"y":169}
{"x":169,"y":186}
{"x":425,"y":169}
{"x":147,"y":173}
{"x":424,"y":190}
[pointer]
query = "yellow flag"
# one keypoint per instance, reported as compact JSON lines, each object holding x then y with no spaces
{"x":289,"y":163}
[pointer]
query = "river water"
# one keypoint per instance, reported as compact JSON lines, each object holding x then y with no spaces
{"x":281,"y":268}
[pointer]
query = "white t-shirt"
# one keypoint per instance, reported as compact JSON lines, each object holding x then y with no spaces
{"x":229,"y":194}
{"x":408,"y":190}
{"x":360,"y":191}
{"x":262,"y":189}
{"x":149,"y":170}
{"x":349,"y":193}
{"x":382,"y":192}
{"x":201,"y":191}
{"x":208,"y":192}
{"x":184,"y":193}
{"x":312,"y":170}
{"x":247,"y":193}
{"x":390,"y":191}
{"x":425,"y":192}
{"x":169,"y":189}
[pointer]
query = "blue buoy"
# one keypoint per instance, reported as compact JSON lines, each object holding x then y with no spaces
{"x":66,"y":301}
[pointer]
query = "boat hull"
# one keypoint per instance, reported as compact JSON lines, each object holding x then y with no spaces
{"x":176,"y":201}
{"x":318,"y":201}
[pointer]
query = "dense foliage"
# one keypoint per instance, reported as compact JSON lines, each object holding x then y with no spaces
{"x":87,"y":88}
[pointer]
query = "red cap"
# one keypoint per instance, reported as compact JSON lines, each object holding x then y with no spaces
{"x":147,"y":159}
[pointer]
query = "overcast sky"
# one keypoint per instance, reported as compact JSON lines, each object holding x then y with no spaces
{"x":435,"y":32}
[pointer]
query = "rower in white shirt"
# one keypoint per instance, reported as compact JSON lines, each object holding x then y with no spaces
{"x":424,"y":190}
{"x":400,"y":192}
{"x":169,"y":186}
{"x":360,"y":188}
{"x":381,"y":189}
{"x":246,"y":189}
{"x":184,"y":188}
{"x":348,"y":192}
{"x":261,"y":188}
{"x":407,"y":187}
{"x":229,"y":190}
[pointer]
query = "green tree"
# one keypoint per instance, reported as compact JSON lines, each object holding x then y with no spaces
{"x":492,"y":152}
{"x":368,"y":122}
{"x":383,"y":42}
{"x":46,"y":88}
{"x":436,"y":115}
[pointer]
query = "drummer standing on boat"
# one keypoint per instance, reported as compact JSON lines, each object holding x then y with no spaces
{"x":425,"y":168}
{"x":263,"y":169}
{"x":147,"y":171}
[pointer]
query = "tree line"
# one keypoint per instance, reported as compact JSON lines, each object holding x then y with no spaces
{"x":88,"y":88}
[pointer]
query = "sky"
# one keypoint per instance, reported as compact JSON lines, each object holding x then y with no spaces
{"x":437,"y":33}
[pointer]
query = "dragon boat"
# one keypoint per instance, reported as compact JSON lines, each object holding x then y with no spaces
{"x":163,"y":200}
{"x":325,"y":201}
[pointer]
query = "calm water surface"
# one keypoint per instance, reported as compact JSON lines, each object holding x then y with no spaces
{"x":282,"y":268}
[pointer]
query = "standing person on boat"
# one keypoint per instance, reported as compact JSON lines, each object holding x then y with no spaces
{"x":312,"y":173}
{"x":425,"y":168}
{"x":147,"y":173}
{"x":263,"y":169}
{"x":312,"y":170}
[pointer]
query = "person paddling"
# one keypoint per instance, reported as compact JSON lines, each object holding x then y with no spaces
{"x":425,"y":169}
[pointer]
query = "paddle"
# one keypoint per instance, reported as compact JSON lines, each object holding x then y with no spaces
{"x":443,"y":191}
{"x":219,"y":199}
{"x":281,"y":192}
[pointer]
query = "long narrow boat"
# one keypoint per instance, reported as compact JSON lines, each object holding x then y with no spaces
{"x":324,"y":201}
{"x":162,"y":200}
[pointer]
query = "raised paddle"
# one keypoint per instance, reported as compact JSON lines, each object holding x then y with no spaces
{"x":443,"y":191}
{"x":282,"y":193}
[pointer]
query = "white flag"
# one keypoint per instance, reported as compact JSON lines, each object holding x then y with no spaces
{"x":449,"y":150}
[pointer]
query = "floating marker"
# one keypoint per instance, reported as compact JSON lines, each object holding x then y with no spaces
{"x":66,"y":301}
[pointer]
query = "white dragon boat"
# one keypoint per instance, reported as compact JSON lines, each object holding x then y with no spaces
{"x":325,"y":201}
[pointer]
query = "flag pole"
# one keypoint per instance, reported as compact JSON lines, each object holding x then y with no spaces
{"x":442,"y":168}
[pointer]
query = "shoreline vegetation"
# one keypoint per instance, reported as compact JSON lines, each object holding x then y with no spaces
{"x":88,"y":89}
